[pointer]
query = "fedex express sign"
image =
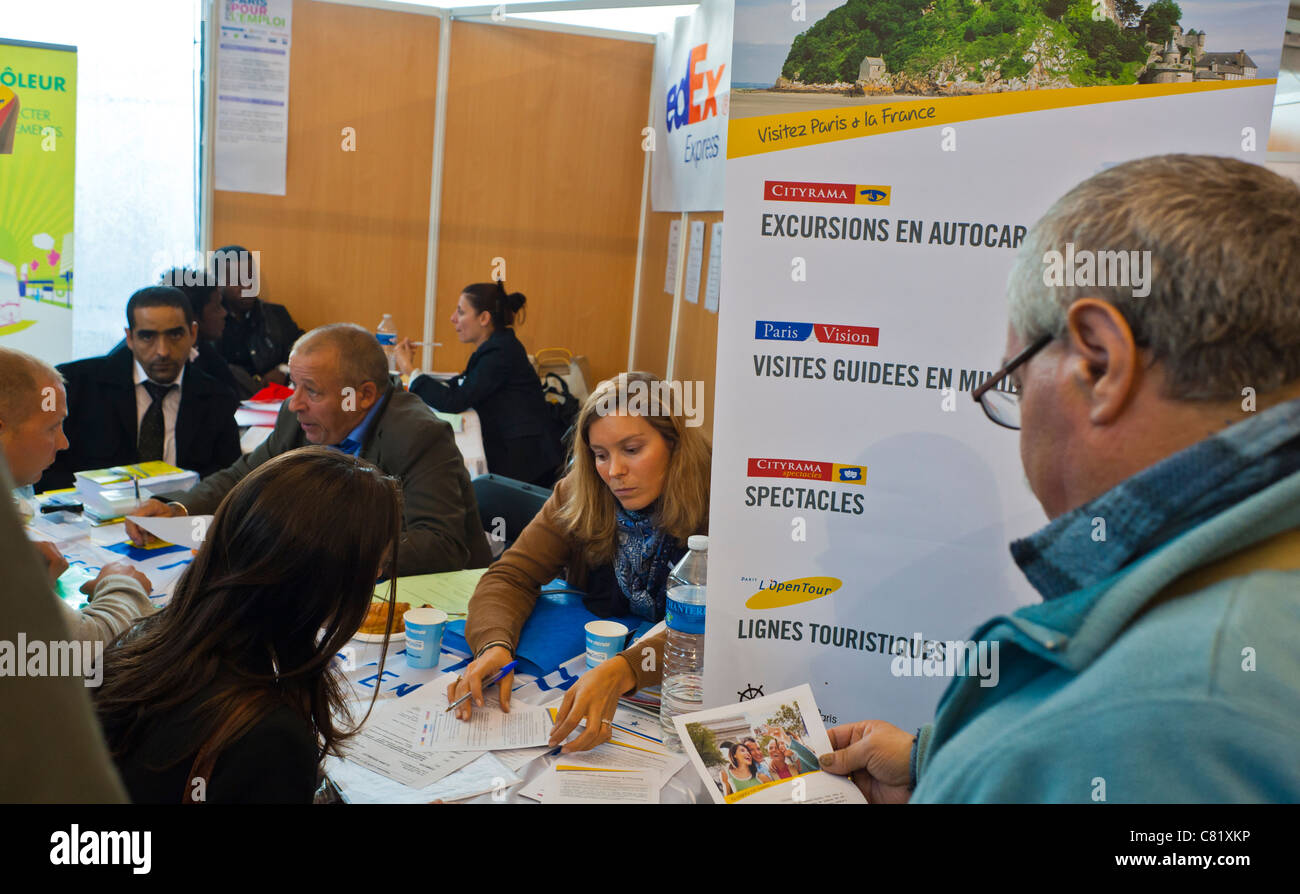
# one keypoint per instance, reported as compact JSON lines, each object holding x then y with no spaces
{"x":695,"y":97}
{"x":690,"y":93}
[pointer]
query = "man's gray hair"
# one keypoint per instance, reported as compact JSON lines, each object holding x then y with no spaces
{"x":21,"y":378}
{"x":361,"y":357}
{"x":1223,"y":310}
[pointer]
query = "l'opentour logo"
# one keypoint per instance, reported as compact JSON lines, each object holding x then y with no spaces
{"x":810,"y":470}
{"x":827,"y":333}
{"x":90,"y":848}
{"x":837,"y":193}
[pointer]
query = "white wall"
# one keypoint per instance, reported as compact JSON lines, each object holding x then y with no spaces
{"x":136,"y":144}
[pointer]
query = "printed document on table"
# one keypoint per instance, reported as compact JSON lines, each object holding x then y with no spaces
{"x":488,"y":729}
{"x":358,"y":785}
{"x":614,"y":755}
{"x":385,"y":745}
{"x":185,"y":530}
{"x":583,"y":786}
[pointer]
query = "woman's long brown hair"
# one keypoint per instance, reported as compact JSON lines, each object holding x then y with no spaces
{"x":280,"y":585}
{"x":590,"y":512}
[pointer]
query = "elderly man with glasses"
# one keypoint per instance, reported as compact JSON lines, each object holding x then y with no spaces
{"x":1160,"y":431}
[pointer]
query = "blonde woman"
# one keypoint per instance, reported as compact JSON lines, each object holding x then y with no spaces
{"x":614,"y":527}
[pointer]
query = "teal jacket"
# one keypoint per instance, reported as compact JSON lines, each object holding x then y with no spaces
{"x":1195,"y":700}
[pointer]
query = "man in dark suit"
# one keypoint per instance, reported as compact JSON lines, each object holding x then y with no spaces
{"x":144,"y":401}
{"x":200,"y":287}
{"x":344,"y":400}
{"x":205,"y":297}
{"x":258,"y":334}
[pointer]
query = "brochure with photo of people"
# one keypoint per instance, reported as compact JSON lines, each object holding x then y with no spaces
{"x":765,"y":751}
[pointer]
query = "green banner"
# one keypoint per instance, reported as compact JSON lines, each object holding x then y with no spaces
{"x":38,"y":114}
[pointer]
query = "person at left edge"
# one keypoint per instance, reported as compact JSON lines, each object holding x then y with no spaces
{"x":344,"y":400}
{"x":144,"y":400}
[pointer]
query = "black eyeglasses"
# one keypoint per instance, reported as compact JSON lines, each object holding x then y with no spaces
{"x":1003,"y":407}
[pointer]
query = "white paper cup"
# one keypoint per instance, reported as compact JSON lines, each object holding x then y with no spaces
{"x":605,"y":639}
{"x":424,"y":628}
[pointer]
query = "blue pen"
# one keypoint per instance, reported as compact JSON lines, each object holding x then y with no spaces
{"x":501,"y":673}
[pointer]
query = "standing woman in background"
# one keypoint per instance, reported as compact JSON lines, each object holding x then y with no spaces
{"x":499,"y":384}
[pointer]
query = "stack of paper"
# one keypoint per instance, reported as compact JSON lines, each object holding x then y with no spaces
{"x":416,"y":743}
{"x":110,"y":493}
{"x":631,"y":767}
{"x":253,"y":412}
{"x":158,"y":475}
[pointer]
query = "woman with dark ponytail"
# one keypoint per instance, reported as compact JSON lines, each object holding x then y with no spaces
{"x":499,"y":384}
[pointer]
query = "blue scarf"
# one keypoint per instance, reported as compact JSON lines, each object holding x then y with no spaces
{"x":1159,"y":503}
{"x":644,"y":556}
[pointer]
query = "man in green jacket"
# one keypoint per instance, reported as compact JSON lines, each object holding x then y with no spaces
{"x":1160,"y":429}
{"x":343,"y":399}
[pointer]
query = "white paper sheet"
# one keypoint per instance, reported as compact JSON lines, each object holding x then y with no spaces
{"x":601,"y":787}
{"x":674,"y":252}
{"x":626,"y":756}
{"x":361,"y":786}
{"x":518,"y":758}
{"x":252,"y":108}
{"x":384,"y":746}
{"x":713,"y":285}
{"x":185,"y":530}
{"x":694,"y":261}
{"x":488,"y":728}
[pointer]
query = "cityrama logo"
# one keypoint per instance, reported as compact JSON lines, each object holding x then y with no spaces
{"x":835,"y":193}
{"x":809,"y":470}
{"x":827,"y":333}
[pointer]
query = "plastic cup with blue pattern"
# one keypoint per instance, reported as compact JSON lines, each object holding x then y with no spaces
{"x":424,"y":628}
{"x":605,"y":639}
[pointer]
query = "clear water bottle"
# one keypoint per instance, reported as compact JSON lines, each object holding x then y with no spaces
{"x":682,"y":690}
{"x":386,"y":332}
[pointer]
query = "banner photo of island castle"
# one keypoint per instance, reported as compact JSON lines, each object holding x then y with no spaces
{"x":870,"y":51}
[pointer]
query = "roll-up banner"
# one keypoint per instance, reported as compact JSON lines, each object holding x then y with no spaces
{"x":38,"y":153}
{"x":692,"y":82}
{"x":885,"y":160}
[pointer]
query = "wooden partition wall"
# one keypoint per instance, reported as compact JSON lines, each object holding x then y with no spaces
{"x":654,"y":305}
{"x":348,"y":240}
{"x":542,"y":167}
{"x":696,"y":347}
{"x":697,"y":329}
